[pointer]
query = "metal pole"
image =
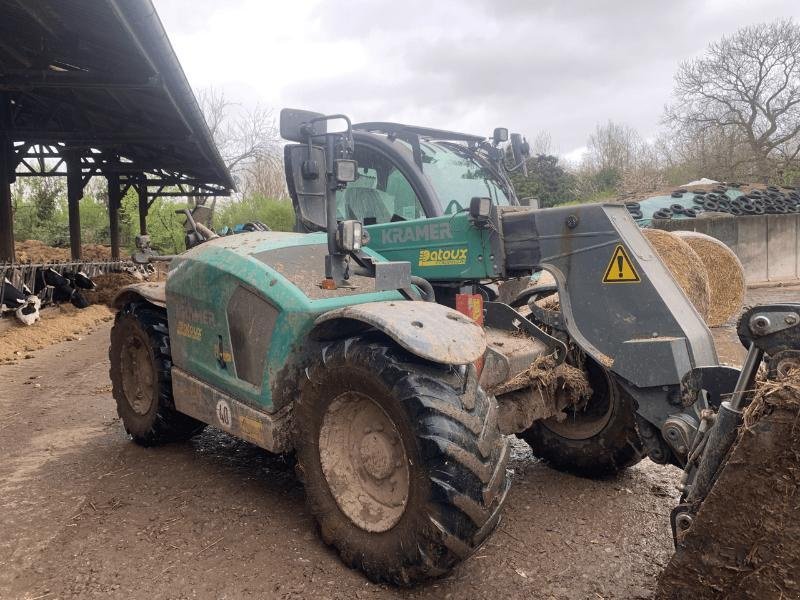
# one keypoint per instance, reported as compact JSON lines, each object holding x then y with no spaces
{"x":114,"y":201}
{"x":143,"y":208}
{"x":74,"y":195}
{"x":747,"y":377}
{"x":6,"y":175}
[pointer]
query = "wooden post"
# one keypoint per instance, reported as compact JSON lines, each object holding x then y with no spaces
{"x":6,"y":176}
{"x":143,"y":208}
{"x":6,"y":209}
{"x":74,"y":195}
{"x":114,"y":202}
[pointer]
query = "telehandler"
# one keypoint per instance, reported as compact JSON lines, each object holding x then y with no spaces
{"x":367,"y":341}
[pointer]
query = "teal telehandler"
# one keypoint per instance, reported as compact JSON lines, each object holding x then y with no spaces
{"x":372,"y":343}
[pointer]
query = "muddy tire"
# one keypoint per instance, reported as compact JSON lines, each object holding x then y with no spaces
{"x":599,"y":441}
{"x":141,"y":381}
{"x":402,"y":461}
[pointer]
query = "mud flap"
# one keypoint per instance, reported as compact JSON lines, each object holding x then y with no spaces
{"x":428,"y":330}
{"x":152,"y":292}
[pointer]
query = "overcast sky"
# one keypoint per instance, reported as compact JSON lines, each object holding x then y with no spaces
{"x":470,"y":65}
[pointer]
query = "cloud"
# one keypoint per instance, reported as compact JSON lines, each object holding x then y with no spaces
{"x":465,"y":65}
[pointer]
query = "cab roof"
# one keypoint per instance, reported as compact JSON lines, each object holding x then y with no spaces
{"x":427,"y":133}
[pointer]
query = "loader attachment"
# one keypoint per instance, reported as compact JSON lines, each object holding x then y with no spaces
{"x":737,"y":529}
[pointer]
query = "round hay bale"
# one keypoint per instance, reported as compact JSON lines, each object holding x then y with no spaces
{"x":685,"y":265}
{"x":725,"y":276}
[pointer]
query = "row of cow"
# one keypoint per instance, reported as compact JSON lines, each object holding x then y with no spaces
{"x":25,"y":303}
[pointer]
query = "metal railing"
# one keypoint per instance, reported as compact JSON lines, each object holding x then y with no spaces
{"x":20,"y":274}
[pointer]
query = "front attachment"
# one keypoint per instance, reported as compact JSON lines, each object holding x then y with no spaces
{"x":739,"y":509}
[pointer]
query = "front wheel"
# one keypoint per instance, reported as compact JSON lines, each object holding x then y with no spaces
{"x":594,"y":439}
{"x":402,"y":460}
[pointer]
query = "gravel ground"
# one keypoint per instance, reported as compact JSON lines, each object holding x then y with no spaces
{"x":85,"y":513}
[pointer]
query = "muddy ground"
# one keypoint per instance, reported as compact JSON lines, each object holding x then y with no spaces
{"x":85,"y":513}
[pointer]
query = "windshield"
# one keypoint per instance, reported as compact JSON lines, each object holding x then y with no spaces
{"x":457,"y":178}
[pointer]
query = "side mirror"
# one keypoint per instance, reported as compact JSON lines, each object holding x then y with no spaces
{"x":296,"y":125}
{"x":520,"y":150}
{"x":500,"y":135}
{"x":306,"y":185}
{"x":480,"y":210}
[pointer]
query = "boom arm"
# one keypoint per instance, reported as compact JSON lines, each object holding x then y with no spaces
{"x":627,"y":320}
{"x":619,"y":302}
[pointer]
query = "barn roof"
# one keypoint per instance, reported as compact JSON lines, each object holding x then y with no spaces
{"x":100,"y":77}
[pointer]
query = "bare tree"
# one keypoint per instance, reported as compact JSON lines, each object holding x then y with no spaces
{"x":613,"y":147}
{"x":265,"y":177}
{"x":542,"y":143}
{"x":246,"y":138}
{"x":715,"y":152}
{"x":747,"y":85}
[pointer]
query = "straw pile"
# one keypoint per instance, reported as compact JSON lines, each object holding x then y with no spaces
{"x":685,"y":265}
{"x":34,"y":251}
{"x":108,"y":285}
{"x":725,"y":276}
{"x":552,"y":380}
{"x":63,"y":323}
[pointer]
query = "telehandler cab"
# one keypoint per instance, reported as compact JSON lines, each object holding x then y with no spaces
{"x":344,"y":344}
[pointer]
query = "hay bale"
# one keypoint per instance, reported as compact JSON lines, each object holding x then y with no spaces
{"x":685,"y":265}
{"x":725,"y":276}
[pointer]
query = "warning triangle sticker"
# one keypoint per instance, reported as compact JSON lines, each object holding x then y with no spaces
{"x":620,"y":269}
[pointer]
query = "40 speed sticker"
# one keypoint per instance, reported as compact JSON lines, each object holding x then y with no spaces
{"x":224,"y":414}
{"x":441,"y":258}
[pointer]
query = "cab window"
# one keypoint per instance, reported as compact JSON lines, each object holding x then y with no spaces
{"x":380,"y":193}
{"x":457,"y":177}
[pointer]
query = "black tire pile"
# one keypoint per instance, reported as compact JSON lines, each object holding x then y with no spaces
{"x":772,"y":201}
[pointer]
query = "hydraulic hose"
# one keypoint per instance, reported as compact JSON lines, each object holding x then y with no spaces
{"x":205,"y":231}
{"x":428,"y":295}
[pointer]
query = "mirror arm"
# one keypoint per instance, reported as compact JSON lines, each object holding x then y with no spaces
{"x":330,"y":200}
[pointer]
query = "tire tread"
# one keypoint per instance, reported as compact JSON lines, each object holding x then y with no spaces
{"x":464,"y":453}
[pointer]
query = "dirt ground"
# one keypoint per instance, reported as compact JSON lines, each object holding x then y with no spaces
{"x":85,"y":513}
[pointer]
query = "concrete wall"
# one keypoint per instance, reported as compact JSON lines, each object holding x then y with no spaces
{"x":767,"y":245}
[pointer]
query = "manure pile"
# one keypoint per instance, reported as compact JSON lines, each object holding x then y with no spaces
{"x":745,"y":540}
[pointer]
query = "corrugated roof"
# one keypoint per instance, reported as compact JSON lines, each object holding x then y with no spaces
{"x":102,"y":74}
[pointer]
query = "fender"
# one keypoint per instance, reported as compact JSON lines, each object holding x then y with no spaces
{"x":154,"y":293}
{"x":428,"y":330}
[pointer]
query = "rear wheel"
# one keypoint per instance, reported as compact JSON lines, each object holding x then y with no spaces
{"x":141,"y":381}
{"x":594,"y":439}
{"x":403,"y":464}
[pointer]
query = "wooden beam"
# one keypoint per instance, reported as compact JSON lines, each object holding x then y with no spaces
{"x":89,"y":138}
{"x":29,"y":80}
